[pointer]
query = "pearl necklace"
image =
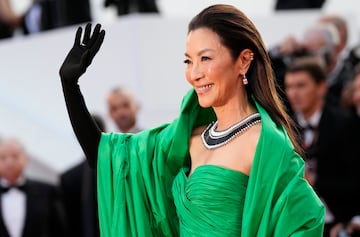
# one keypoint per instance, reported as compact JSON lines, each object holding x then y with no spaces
{"x":213,"y":139}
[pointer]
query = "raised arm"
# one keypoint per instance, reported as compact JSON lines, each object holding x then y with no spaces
{"x":75,"y":64}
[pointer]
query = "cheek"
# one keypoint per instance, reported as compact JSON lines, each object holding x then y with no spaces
{"x":289,"y":93}
{"x":356,"y":98}
{"x":308,"y":92}
{"x":187,"y":75}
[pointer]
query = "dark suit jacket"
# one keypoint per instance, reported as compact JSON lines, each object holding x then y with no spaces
{"x":5,"y":30}
{"x":49,"y":18}
{"x":78,"y":186}
{"x":337,"y":162}
{"x":44,"y":213}
{"x":143,"y":6}
{"x":75,"y":12}
{"x":345,"y":76}
{"x":298,"y":4}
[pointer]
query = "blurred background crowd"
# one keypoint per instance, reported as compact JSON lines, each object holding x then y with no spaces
{"x":316,"y":61}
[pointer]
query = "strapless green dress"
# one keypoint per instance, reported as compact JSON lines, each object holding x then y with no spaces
{"x":210,"y":202}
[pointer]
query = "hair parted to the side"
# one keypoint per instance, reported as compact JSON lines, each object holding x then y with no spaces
{"x":237,"y":32}
{"x":312,"y":65}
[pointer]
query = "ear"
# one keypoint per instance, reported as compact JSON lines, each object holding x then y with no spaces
{"x":244,"y":61}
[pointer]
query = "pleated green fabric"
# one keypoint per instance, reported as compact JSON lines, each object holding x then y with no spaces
{"x":212,"y":199}
{"x":136,"y":174}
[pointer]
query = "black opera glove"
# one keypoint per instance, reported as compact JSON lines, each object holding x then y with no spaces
{"x":82,"y":53}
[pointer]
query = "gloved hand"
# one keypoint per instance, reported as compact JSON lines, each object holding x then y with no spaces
{"x":82,"y":53}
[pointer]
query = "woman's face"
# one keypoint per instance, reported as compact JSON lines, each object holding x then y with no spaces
{"x":210,"y":68}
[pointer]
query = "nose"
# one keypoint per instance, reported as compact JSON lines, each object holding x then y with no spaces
{"x":195,"y":72}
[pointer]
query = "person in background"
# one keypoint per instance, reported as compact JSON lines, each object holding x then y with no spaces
{"x":348,"y":57}
{"x":320,"y":40}
{"x":327,"y":137}
{"x":350,"y":98}
{"x":351,"y":102}
{"x":281,"y":5}
{"x":9,"y":20}
{"x":41,"y":16}
{"x":191,"y":177}
{"x":124,"y":7}
{"x":78,"y":186}
{"x":74,"y":12}
{"x":27,"y":207}
{"x":342,"y":72}
{"x":123,"y":109}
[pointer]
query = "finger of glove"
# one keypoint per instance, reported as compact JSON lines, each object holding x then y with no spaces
{"x":78,"y":36}
{"x":87,"y":34}
{"x":94,"y":36}
{"x":97,"y":44}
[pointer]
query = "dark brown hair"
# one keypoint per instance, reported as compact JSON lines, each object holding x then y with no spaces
{"x":237,"y":32}
{"x":311,"y":65}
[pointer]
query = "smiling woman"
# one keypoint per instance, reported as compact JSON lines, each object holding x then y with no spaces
{"x":214,"y":167}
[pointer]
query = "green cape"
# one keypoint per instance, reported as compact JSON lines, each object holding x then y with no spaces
{"x":136,"y":172}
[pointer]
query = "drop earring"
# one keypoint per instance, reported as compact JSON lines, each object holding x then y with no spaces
{"x":245,"y":80}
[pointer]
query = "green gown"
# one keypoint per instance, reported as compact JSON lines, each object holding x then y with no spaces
{"x":211,"y":199}
{"x":136,"y":174}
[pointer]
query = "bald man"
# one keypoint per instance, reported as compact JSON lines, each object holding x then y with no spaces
{"x":123,"y":109}
{"x":27,"y":208}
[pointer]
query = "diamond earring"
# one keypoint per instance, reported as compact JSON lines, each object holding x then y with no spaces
{"x":245,"y":80}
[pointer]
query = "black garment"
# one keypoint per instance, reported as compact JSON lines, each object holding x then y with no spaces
{"x":86,"y":129}
{"x":279,"y":64}
{"x":6,"y":189}
{"x":298,"y":4}
{"x":354,"y":56}
{"x":337,"y":162}
{"x":75,"y":12}
{"x":343,"y":78}
{"x":44,"y":212}
{"x":125,"y":6}
{"x":49,"y":18}
{"x":79,"y":191}
{"x":5,"y":31}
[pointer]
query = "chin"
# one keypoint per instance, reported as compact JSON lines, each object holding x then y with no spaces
{"x":204,"y":104}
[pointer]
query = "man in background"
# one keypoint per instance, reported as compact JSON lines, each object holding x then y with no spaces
{"x":123,"y":109}
{"x":128,"y":6}
{"x":28,"y":208}
{"x":79,"y":189}
{"x":328,"y":140}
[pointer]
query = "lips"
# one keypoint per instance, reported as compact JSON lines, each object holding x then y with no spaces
{"x":204,"y":88}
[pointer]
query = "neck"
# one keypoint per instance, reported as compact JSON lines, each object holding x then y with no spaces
{"x":310,"y":112}
{"x":127,"y":130}
{"x":10,"y":181}
{"x":233,"y":112}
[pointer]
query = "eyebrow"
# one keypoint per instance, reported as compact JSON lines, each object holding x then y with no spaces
{"x":200,"y":52}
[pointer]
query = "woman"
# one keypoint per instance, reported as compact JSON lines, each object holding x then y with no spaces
{"x":240,"y":175}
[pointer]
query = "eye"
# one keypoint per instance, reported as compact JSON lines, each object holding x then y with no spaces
{"x":205,"y":58}
{"x":187,"y":61}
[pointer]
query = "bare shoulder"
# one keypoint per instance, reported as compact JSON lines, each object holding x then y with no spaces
{"x":196,"y":146}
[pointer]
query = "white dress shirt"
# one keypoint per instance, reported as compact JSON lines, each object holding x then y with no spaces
{"x":13,"y":206}
{"x":312,"y":121}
